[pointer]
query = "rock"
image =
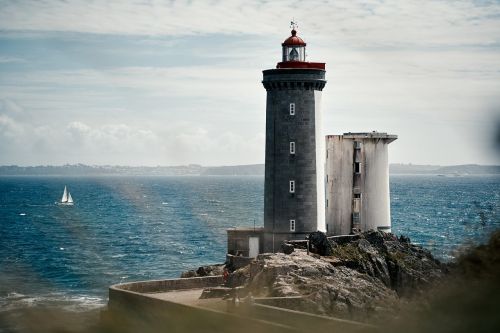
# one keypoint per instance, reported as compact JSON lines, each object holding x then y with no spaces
{"x":209,"y":270}
{"x":319,"y":244}
{"x":328,"y":290}
{"x":398,"y":264}
{"x":235,"y":262}
{"x":404,"y":239}
{"x":188,"y":274}
{"x":363,"y":278}
{"x":287,"y":248}
{"x":365,"y":247}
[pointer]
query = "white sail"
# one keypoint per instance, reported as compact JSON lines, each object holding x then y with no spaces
{"x":70,"y":199}
{"x":65,"y":195}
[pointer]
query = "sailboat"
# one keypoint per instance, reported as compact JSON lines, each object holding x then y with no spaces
{"x":66,"y":198}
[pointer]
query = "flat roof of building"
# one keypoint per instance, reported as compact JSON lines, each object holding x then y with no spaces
{"x":368,"y":135}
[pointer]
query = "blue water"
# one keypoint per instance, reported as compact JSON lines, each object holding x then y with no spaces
{"x":135,"y":228}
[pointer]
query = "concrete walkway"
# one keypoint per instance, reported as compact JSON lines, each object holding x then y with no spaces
{"x":191,"y":297}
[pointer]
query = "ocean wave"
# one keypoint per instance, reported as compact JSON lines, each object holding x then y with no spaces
{"x":73,"y":303}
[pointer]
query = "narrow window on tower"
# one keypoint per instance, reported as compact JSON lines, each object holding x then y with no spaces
{"x":292,"y":109}
{"x":292,"y":225}
{"x":292,"y":147}
{"x":357,"y":167}
{"x":292,"y":186}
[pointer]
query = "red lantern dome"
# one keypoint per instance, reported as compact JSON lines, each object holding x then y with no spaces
{"x":294,"y":40}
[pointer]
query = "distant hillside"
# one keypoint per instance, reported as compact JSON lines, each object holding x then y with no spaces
{"x":411,"y":169}
{"x":240,"y":170}
{"x":466,"y":169}
{"x":235,"y":170}
{"x":102,"y":170}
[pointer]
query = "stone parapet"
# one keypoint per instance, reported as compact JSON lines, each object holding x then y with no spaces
{"x":157,"y":286}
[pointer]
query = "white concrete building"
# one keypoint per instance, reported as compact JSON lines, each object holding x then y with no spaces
{"x":357,"y":182}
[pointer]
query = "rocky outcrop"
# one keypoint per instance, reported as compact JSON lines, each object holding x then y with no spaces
{"x":327,"y":289}
{"x":397,"y":263}
{"x":209,"y":270}
{"x":319,"y":244}
{"x":365,"y":278}
{"x":287,"y":248}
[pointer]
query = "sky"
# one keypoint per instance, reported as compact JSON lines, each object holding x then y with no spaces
{"x":179,"y":82}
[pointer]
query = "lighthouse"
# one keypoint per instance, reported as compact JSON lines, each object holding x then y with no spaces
{"x":339,"y":189}
{"x":294,"y":190}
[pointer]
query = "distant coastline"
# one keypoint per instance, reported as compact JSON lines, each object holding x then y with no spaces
{"x":234,"y":170}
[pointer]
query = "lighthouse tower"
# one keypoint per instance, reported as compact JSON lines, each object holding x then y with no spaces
{"x":294,"y":192}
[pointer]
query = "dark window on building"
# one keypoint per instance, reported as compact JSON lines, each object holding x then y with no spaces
{"x":357,"y":167}
{"x":355,"y":217}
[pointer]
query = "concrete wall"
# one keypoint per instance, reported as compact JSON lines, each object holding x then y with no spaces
{"x":376,"y":211}
{"x":339,"y":186}
{"x":274,"y":240}
{"x":131,"y":309}
{"x":307,"y":322}
{"x":156,"y":286}
{"x":371,"y":183}
{"x":320,"y":163}
{"x":291,"y":302}
{"x":305,"y":167}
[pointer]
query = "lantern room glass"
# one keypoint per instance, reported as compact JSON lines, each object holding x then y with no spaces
{"x":294,"y":53}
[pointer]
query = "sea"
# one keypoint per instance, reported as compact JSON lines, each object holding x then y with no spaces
{"x":124,"y":228}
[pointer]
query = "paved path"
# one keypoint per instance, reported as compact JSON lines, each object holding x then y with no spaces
{"x":191,"y":297}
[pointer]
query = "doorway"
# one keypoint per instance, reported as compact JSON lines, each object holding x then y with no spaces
{"x":253,"y":246}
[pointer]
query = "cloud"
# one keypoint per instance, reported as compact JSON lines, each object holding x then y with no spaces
{"x":355,"y":22}
{"x":179,"y":82}
{"x":78,"y":142}
{"x":9,"y":128}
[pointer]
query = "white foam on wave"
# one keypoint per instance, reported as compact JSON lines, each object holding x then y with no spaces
{"x":14,"y":295}
{"x":68,"y":302}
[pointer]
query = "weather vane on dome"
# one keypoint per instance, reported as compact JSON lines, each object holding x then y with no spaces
{"x":293,"y":24}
